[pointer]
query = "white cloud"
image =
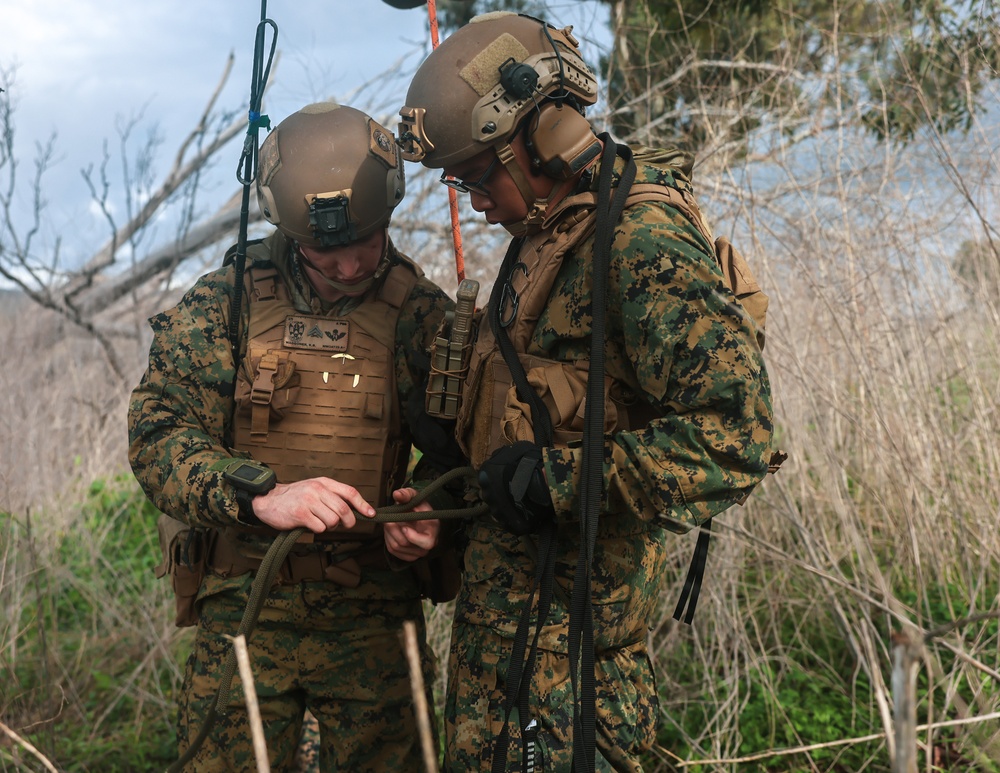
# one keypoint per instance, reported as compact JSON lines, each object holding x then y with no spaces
{"x":86,"y":64}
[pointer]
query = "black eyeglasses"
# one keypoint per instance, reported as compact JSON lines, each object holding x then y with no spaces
{"x":479,"y":186}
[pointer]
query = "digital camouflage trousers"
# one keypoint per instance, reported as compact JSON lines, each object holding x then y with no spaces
{"x":626,"y":705}
{"x":335,"y":651}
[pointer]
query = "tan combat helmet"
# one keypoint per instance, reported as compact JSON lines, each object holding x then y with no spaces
{"x":329,"y":175}
{"x":474,"y":90}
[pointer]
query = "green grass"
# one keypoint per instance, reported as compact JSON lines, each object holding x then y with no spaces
{"x":84,"y":674}
{"x":90,"y":663}
{"x":803,"y":687}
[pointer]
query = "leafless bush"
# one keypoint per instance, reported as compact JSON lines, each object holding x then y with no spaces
{"x":885,"y":376}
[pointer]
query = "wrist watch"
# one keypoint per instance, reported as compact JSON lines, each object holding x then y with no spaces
{"x":250,"y":479}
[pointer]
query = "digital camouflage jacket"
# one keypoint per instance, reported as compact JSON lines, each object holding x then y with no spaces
{"x":685,"y":352}
{"x":181,"y":412}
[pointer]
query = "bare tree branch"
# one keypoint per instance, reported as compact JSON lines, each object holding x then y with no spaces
{"x":80,"y":294}
{"x":206,"y":233}
{"x":177,"y":176}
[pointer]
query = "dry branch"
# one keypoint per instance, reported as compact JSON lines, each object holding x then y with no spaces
{"x":420,"y":708}
{"x":29,"y":747}
{"x":226,"y":220}
{"x":253,"y":707}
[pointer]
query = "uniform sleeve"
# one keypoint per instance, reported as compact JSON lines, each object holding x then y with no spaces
{"x":179,"y":413}
{"x":415,"y":332}
{"x":681,"y":342}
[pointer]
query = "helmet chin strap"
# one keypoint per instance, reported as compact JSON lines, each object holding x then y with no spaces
{"x":363,"y":286}
{"x":537,"y":207}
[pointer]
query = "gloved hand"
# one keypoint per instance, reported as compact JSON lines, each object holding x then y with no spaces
{"x":513,"y":485}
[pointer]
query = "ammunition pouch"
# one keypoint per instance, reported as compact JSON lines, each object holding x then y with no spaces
{"x":449,"y":366}
{"x":450,"y":354}
{"x":268,"y":388}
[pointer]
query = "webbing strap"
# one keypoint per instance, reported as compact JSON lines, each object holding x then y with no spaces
{"x":581,"y":619}
{"x":692,"y":583}
{"x":581,"y":627}
{"x":540,"y":420}
{"x":519,"y":672}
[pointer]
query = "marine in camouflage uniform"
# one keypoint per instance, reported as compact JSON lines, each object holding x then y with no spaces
{"x":687,"y":400}
{"x":329,"y":635}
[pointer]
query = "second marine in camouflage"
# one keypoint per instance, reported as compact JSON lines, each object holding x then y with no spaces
{"x":687,"y":400}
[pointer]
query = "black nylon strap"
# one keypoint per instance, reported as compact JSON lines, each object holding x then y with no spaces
{"x":692,"y":583}
{"x":581,"y":621}
{"x":581,"y":628}
{"x":540,"y":420}
{"x":519,"y":672}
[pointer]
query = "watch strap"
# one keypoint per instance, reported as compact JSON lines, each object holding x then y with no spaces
{"x":244,"y":499}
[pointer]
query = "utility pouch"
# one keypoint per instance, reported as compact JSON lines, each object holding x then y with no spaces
{"x":450,"y":354}
{"x":185,"y":551}
{"x":267,"y":385}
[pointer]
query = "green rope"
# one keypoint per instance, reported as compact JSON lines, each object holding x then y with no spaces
{"x":259,"y":590}
{"x":404,"y":513}
{"x":267,"y":573}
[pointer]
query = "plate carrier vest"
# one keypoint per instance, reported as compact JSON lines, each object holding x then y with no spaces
{"x":316,"y":395}
{"x":491,"y":414}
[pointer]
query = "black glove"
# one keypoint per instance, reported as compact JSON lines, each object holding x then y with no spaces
{"x":513,"y":485}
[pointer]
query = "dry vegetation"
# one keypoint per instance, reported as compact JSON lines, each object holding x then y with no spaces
{"x":884,"y":354}
{"x":885,"y":371}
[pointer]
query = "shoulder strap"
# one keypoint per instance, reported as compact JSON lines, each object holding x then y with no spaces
{"x":255,"y":249}
{"x":379,"y":317}
{"x":399,"y":283}
{"x":581,"y":620}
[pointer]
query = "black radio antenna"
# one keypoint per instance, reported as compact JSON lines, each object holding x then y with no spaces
{"x":246,"y":170}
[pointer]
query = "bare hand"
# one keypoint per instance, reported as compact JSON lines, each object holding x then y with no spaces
{"x":413,"y":539}
{"x":318,"y":504}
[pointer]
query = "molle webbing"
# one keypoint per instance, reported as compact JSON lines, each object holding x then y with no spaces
{"x":316,"y":395}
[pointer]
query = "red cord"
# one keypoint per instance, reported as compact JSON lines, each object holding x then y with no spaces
{"x":456,"y":229}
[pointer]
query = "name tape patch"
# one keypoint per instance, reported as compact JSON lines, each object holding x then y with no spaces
{"x":319,"y":333}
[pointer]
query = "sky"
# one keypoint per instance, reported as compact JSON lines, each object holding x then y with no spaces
{"x":83,"y":69}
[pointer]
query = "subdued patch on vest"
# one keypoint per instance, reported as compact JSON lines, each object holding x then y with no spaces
{"x":325,"y":335}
